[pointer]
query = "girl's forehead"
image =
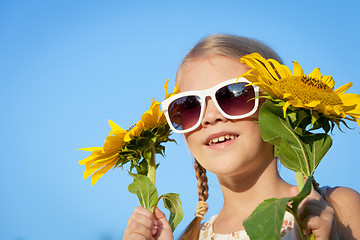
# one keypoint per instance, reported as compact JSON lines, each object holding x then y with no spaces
{"x":202,"y":73}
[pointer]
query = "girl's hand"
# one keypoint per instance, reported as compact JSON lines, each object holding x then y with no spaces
{"x":317,"y":217}
{"x":145,"y":225}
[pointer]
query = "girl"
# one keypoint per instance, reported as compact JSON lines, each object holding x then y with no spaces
{"x":234,"y":150}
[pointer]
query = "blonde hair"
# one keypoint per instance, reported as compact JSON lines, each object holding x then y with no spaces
{"x":234,"y":47}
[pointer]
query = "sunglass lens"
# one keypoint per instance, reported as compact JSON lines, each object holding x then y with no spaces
{"x":184,"y":112}
{"x":234,"y":99}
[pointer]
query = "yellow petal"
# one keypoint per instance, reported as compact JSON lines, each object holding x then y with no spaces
{"x":329,"y":81}
{"x":343,"y":88}
{"x":283,"y":70}
{"x":135,"y":131}
{"x":85,"y":160}
{"x":97,"y":157}
{"x":107,"y":159}
{"x":88,"y":172}
{"x":255,"y":60}
{"x":285,"y":107}
{"x":287,"y":95}
{"x":150,"y":118}
{"x":96,"y":176}
{"x":165,"y":87}
{"x":315,"y":74}
{"x":100,"y":163}
{"x":351,"y":104}
{"x":116,"y":129}
{"x":297,"y":70}
{"x":313,"y":104}
{"x":113,"y":143}
{"x":91,"y":149}
{"x":349,"y":99}
{"x":358,"y":121}
{"x":175,"y":91}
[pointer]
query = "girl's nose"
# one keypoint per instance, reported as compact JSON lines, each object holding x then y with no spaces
{"x":211,"y":114}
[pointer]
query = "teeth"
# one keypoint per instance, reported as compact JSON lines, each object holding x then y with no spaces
{"x":221,"y":139}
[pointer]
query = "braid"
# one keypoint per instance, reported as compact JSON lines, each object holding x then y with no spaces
{"x":203,"y":187}
{"x":193,"y":230}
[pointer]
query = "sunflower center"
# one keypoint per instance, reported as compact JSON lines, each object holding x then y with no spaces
{"x":309,"y":89}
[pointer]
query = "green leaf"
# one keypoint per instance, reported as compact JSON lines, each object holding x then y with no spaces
{"x":266,"y":220}
{"x":325,"y":124}
{"x":317,"y":145}
{"x":142,"y":142}
{"x":145,"y":191}
{"x":173,"y":204}
{"x":314,"y":117}
{"x":142,"y":167}
{"x":130,"y":147}
{"x":278,"y":131}
{"x":298,"y":198}
{"x":289,"y":157}
{"x":161,"y":130}
{"x":148,"y":155}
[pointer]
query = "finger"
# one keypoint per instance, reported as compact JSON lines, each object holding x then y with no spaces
{"x":316,"y":218}
{"x":159,"y":215}
{"x":314,"y":198}
{"x":135,"y":229}
{"x":142,"y":220}
{"x":318,"y":207}
{"x":135,"y":236}
{"x":320,"y":228}
{"x":314,"y":208}
{"x":309,"y":210}
{"x":162,"y":223}
{"x":140,"y":213}
{"x":145,"y":212}
{"x":314,"y":194}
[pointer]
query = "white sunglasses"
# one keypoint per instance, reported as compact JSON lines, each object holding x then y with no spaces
{"x":234,"y":99}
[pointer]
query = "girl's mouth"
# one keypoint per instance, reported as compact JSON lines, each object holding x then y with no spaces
{"x":221,"y":139}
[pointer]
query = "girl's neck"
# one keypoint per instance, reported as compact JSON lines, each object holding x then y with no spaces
{"x":244,"y":192}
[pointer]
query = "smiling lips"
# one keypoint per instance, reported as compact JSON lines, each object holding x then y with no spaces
{"x":221,"y":139}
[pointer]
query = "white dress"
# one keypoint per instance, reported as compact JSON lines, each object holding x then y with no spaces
{"x":206,"y":232}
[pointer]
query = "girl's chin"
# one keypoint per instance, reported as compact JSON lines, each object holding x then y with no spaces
{"x":224,"y":165}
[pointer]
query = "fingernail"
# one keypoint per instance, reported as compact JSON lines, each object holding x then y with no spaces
{"x":154,"y":230}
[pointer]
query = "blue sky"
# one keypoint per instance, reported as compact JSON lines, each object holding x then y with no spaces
{"x":69,"y":66}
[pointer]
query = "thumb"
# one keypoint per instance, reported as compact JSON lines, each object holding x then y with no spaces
{"x":162,"y":221}
{"x":159,"y":214}
{"x":294,"y":191}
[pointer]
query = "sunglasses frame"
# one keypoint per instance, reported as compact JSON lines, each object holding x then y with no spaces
{"x":203,"y":94}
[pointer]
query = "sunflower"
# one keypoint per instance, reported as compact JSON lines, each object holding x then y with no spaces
{"x":123,"y":146}
{"x":105,"y":157}
{"x":314,"y":91}
{"x":150,"y":119}
{"x":175,"y":91}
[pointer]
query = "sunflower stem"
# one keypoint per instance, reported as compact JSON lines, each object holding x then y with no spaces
{"x":151,"y":170}
{"x":294,"y":213}
{"x":300,"y":180}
